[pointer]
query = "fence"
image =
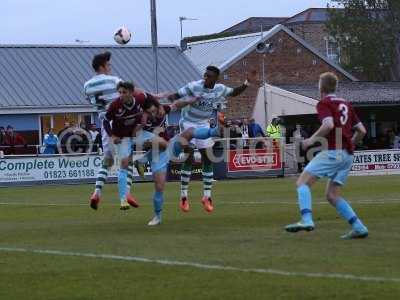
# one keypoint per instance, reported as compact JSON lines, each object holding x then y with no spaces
{"x":273,"y":158}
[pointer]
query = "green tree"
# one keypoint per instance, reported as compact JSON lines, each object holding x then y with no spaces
{"x":368,"y":34}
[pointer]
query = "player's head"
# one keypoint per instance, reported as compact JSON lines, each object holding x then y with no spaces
{"x":211,"y":76}
{"x":328,"y":83}
{"x":151,"y":106}
{"x":125,"y":90}
{"x":2,"y":130}
{"x":101,"y":63}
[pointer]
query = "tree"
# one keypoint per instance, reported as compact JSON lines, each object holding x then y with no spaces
{"x":368,"y":34}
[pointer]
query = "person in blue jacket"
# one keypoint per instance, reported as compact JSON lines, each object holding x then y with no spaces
{"x":50,"y":142}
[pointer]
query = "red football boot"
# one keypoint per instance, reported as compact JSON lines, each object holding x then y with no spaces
{"x":132,"y":200}
{"x":94,"y":201}
{"x":184,"y":204}
{"x":207,"y":204}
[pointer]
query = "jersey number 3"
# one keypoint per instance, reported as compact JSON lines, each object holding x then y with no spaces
{"x":344,"y":113}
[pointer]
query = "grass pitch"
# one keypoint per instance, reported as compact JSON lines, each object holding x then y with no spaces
{"x":244,"y":232}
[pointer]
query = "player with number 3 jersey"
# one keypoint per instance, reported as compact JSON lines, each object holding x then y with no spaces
{"x":339,"y":121}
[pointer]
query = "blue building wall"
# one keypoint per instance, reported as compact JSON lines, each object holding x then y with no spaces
{"x":20,"y":122}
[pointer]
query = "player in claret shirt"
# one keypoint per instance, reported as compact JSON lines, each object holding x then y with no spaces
{"x":155,"y":120}
{"x":339,"y":121}
{"x":123,"y":122}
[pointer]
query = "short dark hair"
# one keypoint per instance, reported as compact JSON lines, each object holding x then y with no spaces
{"x":10,"y":127}
{"x":2,"y":127}
{"x":100,"y":60}
{"x":213,"y":69}
{"x":150,"y":102}
{"x":126,"y":85}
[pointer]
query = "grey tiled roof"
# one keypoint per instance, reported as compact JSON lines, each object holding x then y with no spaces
{"x":357,"y":92}
{"x":253,"y":24}
{"x":319,"y":15}
{"x":53,"y":76}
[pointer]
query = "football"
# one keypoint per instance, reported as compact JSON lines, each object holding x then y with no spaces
{"x":122,"y":35}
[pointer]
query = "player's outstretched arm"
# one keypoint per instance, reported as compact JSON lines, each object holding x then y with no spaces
{"x":179,"y":104}
{"x":162,"y":95}
{"x":174,"y":96}
{"x":250,"y":78}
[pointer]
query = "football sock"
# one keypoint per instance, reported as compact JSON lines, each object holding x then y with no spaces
{"x":305,"y":199}
{"x":158,"y":200}
{"x":174,"y":148}
{"x":101,"y":179}
{"x":186,"y":172}
{"x":122,"y":183}
{"x":208,"y":176}
{"x":130,"y":177}
{"x":346,"y":212}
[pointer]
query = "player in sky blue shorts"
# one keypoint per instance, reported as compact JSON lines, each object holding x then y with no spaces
{"x":339,"y":120}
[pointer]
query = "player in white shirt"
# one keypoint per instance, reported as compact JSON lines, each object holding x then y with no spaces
{"x":101,"y":90}
{"x":211,"y":98}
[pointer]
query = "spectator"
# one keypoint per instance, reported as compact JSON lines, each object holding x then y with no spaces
{"x":244,"y":128}
{"x":81,"y":139}
{"x":396,"y":142}
{"x":274,"y":129}
{"x":298,"y":135}
{"x":391,"y":136}
{"x":67,"y":125}
{"x":13,"y":139}
{"x":50,"y":142}
{"x":64,"y":136}
{"x":95,"y":137}
{"x":235,"y":134}
{"x":255,"y":129}
{"x":2,"y":136}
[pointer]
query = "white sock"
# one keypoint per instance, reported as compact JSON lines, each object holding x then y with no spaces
{"x":207,"y":193}
{"x":184,"y":193}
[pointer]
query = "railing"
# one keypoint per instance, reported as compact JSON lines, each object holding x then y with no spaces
{"x":30,"y":150}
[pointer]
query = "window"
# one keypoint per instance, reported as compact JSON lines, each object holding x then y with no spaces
{"x":332,"y":49}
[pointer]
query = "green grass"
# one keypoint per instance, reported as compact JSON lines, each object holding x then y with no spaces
{"x":245,"y":231}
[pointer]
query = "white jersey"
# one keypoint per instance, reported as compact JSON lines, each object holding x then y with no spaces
{"x":101,"y":90}
{"x":209,"y":101}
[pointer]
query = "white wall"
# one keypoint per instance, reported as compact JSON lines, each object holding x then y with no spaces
{"x":279,"y":102}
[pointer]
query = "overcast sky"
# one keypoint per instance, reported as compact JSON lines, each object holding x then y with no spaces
{"x":63,"y":21}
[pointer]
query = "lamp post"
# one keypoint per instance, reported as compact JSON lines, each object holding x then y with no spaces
{"x":154,"y":41}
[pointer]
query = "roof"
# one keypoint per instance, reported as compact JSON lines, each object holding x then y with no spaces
{"x":254,"y":24}
{"x":250,"y":25}
{"x":49,"y":76}
{"x":358,"y":93}
{"x":218,"y":51}
{"x":310,"y":15}
{"x":224,"y":52}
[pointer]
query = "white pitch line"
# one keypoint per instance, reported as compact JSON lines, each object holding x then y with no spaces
{"x":205,"y":266}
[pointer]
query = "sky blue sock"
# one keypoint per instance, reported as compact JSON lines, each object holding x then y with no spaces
{"x":158,"y":200}
{"x":346,"y":212}
{"x":122,"y":181}
{"x":176,"y":147}
{"x":304,"y":199}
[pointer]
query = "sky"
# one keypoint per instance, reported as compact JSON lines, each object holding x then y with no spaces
{"x":64,"y":21}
